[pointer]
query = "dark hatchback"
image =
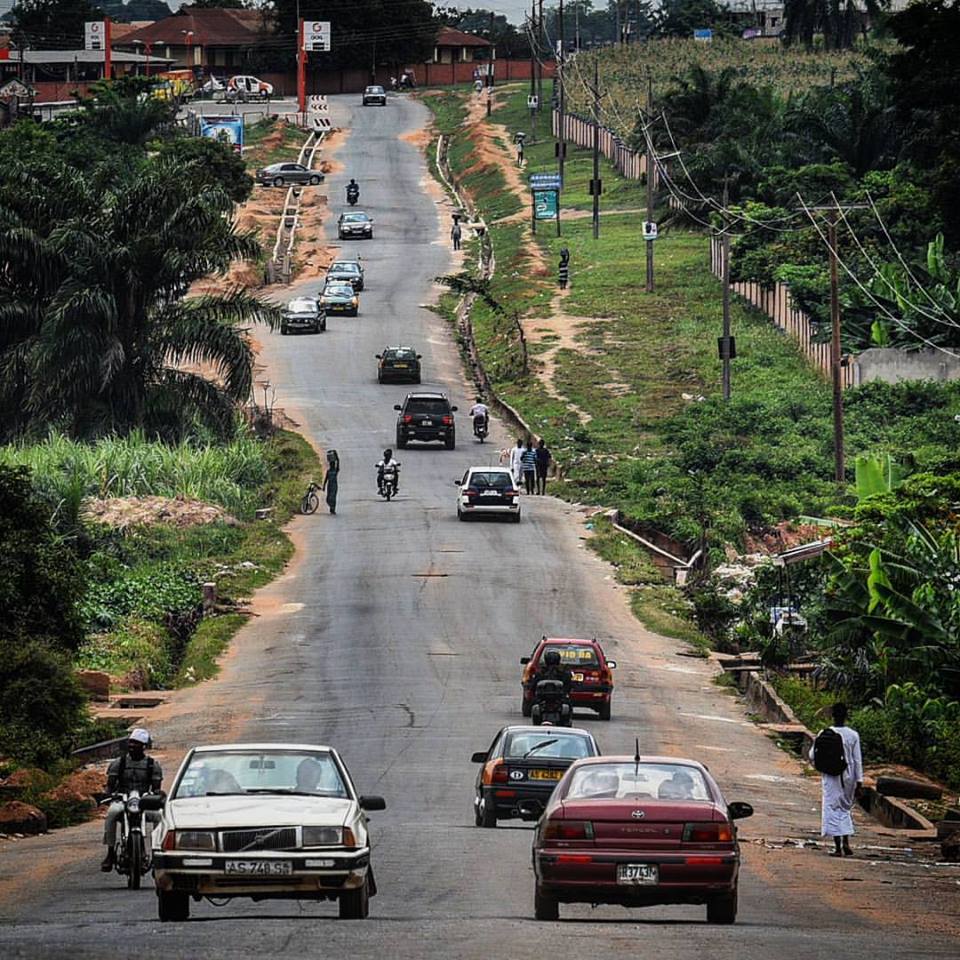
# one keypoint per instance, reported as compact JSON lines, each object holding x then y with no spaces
{"x":427,"y":417}
{"x":523,"y":765}
{"x":346,"y":271}
{"x":398,"y":363}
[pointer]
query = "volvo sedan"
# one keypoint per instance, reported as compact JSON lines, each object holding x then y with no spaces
{"x":487,"y":491}
{"x":284,"y":174}
{"x":265,"y":821}
{"x":637,"y":831}
{"x":351,"y":226}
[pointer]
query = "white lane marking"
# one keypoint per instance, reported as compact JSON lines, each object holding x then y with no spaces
{"x":651,"y":666}
{"x":291,"y":607}
{"x":704,"y":746}
{"x":709,"y":716}
{"x":771,"y":778}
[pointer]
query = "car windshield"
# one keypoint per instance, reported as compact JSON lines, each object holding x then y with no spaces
{"x":301,"y":306}
{"x":565,"y":746}
{"x":638,"y":781}
{"x":573,"y":656}
{"x":374,"y":89}
{"x":400,"y":353}
{"x":491,"y":480}
{"x":344,"y":268}
{"x":261,"y":771}
{"x":355,"y":218}
{"x":338,"y":290}
{"x":434,"y":405}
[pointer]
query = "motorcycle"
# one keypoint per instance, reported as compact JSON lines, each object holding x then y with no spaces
{"x":551,"y":704}
{"x":353,"y":195}
{"x":132,"y":857}
{"x":480,"y":428}
{"x":388,"y":483}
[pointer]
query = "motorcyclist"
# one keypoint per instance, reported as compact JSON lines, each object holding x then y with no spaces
{"x":386,"y":465}
{"x":479,"y":413}
{"x":133,"y":771}
{"x":553,"y":669}
{"x":353,"y":191}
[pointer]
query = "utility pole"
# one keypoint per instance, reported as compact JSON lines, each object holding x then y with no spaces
{"x":533,"y":72}
{"x":726,"y":350}
{"x":595,"y":184}
{"x":576,"y":25}
{"x":835,"y":358}
{"x":541,"y":53}
{"x":562,"y":138}
{"x":651,"y":162}
{"x":619,"y":26}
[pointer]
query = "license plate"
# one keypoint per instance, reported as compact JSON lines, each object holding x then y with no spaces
{"x":638,"y":873}
{"x":577,"y":677}
{"x":489,"y":493}
{"x":426,"y":423}
{"x":259,"y":868}
{"x":400,"y":366}
{"x":546,"y":774}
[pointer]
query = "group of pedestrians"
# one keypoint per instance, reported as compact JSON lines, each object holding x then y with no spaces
{"x":529,"y":465}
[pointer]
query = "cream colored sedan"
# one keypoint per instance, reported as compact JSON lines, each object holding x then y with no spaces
{"x":279,"y":821}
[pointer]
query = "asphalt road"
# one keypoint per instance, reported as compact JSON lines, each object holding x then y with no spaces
{"x":395,"y":637}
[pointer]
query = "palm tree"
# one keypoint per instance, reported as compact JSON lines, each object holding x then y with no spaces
{"x":95,"y":322}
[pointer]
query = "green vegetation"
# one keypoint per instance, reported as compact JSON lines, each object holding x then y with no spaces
{"x":271,"y":141}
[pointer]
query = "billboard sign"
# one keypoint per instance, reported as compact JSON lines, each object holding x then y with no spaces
{"x":545,"y":205}
{"x":94,"y":35}
{"x":316,"y":36}
{"x":704,"y":36}
{"x":225,"y":129}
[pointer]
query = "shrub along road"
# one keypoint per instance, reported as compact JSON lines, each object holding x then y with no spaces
{"x":395,"y":636}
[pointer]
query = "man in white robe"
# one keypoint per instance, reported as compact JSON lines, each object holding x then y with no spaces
{"x":516,"y":462}
{"x":840,"y":792}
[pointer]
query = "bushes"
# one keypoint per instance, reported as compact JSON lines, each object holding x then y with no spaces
{"x":152,"y":592}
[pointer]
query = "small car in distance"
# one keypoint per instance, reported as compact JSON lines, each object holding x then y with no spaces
{"x":427,"y":417}
{"x":523,"y":765}
{"x":353,"y":225}
{"x":398,"y":363}
{"x":340,"y":298}
{"x":284,"y":174}
{"x":303,"y":314}
{"x":592,"y":673}
{"x":245,"y":88}
{"x":346,"y":271}
{"x":374,"y":94}
{"x":637,"y":831}
{"x":266,"y":821}
{"x":488,"y":491}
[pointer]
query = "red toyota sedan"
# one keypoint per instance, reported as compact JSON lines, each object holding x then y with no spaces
{"x":637,"y":831}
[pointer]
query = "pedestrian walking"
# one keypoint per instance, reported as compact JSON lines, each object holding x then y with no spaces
{"x":516,"y":462}
{"x":528,"y":461}
{"x":455,"y":234}
{"x":544,"y":459}
{"x":836,"y":754}
{"x":563,"y":274}
{"x":331,"y":479}
{"x":519,"y":153}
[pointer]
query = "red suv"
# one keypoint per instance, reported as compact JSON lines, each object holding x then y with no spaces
{"x":592,"y":673}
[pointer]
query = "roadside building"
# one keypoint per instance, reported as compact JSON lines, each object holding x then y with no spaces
{"x":455,"y":46}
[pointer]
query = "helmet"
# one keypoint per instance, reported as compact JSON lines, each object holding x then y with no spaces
{"x":139,"y":735}
{"x":387,"y":454}
{"x":552,"y":658}
{"x":479,"y":399}
{"x":352,"y":180}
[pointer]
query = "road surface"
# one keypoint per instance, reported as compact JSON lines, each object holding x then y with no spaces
{"x":395,"y":636}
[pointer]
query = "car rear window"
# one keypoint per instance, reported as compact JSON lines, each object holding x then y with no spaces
{"x":572,"y":655}
{"x":434,"y":405}
{"x":495,"y":480}
{"x":638,"y":781}
{"x":344,"y":268}
{"x":565,"y":746}
{"x":403,"y":354}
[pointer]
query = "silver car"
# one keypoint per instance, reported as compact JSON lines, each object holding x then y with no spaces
{"x":355,"y":224}
{"x":265,"y":821}
{"x":375,"y":94}
{"x":282,"y":174}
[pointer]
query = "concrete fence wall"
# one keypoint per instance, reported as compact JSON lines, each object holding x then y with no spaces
{"x":892,"y":365}
{"x":629,"y":163}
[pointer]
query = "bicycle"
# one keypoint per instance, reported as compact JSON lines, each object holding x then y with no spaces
{"x":310,"y":500}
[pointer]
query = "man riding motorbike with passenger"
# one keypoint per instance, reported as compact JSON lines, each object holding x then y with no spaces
{"x":353,"y":191}
{"x":133,"y":771}
{"x":552,"y":669}
{"x":388,"y":467}
{"x":480,"y":415}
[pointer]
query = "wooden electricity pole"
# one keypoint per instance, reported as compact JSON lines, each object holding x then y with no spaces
{"x":561,"y":138}
{"x":595,"y":185}
{"x":835,"y":357}
{"x":726,"y":349}
{"x":651,"y":162}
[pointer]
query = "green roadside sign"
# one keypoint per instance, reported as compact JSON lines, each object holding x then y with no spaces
{"x":545,"y":204}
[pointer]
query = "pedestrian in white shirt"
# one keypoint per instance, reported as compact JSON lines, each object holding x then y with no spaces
{"x":836,"y":754}
{"x":516,"y":461}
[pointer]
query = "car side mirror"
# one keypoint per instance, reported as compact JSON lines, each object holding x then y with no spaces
{"x":739,"y":810}
{"x":379,"y":356}
{"x":457,"y":483}
{"x":397,"y":406}
{"x":454,"y":409}
{"x":530,"y":810}
{"x":479,"y":757}
{"x":373,"y":803}
{"x":611,"y":664}
{"x":524,"y":661}
{"x":153,"y":801}
{"x":419,"y":356}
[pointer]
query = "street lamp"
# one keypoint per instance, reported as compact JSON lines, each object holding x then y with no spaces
{"x":188,"y":36}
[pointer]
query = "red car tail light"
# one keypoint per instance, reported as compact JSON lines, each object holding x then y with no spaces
{"x":574,"y":858}
{"x":447,"y":420}
{"x":704,"y":861}
{"x":407,"y":418}
{"x":707,"y":833}
{"x":495,"y":772}
{"x":472,"y":492}
{"x":568,"y":830}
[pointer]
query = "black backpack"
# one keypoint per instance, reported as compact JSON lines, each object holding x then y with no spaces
{"x":828,"y":755}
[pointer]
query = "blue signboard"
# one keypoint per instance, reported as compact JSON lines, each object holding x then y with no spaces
{"x":226,"y":129}
{"x":704,"y":35}
{"x":545,"y":181}
{"x":545,"y":204}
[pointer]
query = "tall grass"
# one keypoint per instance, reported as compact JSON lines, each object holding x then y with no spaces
{"x":227,"y":474}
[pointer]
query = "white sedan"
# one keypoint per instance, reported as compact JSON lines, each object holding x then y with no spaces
{"x":265,"y":821}
{"x":487,"y":490}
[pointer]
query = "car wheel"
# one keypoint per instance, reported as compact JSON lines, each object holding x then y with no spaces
{"x":461,"y":516}
{"x":544,"y":907}
{"x":417,"y":380}
{"x":525,"y":707}
{"x":284,"y":331}
{"x":355,"y":904}
{"x":323,"y":325}
{"x":278,"y":181}
{"x":173,"y":907}
{"x":516,"y":518}
{"x":477,"y":818}
{"x":604,"y":711}
{"x":488,"y":816}
{"x":450,"y":443}
{"x":314,"y":181}
{"x":723,"y":909}
{"x":401,"y":443}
